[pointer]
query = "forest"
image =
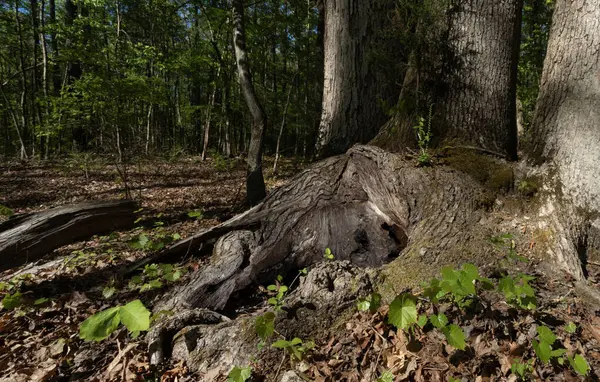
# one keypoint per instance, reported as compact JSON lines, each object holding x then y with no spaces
{"x":287,"y":190}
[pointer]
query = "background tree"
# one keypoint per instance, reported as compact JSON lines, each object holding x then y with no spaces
{"x":255,"y":183}
{"x":360,"y":76}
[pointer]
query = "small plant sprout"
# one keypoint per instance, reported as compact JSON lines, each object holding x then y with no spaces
{"x":328,"y":254}
{"x":239,"y":374}
{"x":296,"y":348}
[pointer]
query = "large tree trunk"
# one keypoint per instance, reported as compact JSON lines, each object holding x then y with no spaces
{"x":464,"y":85}
{"x":28,"y":237}
{"x":255,"y":183}
{"x":355,"y":85}
{"x":566,"y":130}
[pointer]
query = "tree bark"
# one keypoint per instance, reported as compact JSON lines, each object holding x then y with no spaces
{"x":566,"y":129}
{"x":255,"y":183}
{"x":28,"y":237}
{"x":355,"y":85}
{"x":467,"y":79}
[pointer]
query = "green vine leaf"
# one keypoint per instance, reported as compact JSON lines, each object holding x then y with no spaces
{"x":403,"y":311}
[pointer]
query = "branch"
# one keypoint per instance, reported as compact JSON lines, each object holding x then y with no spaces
{"x":19,"y":72}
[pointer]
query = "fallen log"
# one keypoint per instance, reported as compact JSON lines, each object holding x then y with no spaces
{"x":28,"y":237}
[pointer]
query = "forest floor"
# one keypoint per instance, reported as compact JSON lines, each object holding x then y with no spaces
{"x":39,"y":335}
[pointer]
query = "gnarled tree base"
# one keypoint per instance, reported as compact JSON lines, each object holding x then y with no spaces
{"x":371,"y":208}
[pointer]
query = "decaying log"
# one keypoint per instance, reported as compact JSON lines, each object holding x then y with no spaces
{"x":27,"y":237}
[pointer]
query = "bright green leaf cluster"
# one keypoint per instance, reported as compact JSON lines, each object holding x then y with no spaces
{"x":295,"y":347}
{"x":134,"y":316}
{"x":239,"y":374}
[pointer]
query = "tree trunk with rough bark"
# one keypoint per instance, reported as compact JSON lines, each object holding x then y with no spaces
{"x":464,"y":86}
{"x":355,"y":86}
{"x":566,"y":132}
{"x":255,"y":183}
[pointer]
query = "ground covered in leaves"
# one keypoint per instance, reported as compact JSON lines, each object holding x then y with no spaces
{"x":508,"y":322}
{"x":44,"y":303}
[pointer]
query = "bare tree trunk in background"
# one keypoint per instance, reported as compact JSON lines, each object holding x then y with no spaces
{"x":24,"y":93}
{"x":211,"y":104}
{"x":283,"y":122}
{"x":484,"y":40}
{"x":255,"y":183}
{"x":354,"y":84}
{"x":45,"y":137}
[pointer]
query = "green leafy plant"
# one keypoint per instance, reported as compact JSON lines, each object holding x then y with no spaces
{"x":370,"y":303}
{"x":158,"y":241}
{"x":5,"y":211}
{"x":153,"y":275}
{"x":296,"y":348}
{"x":543,"y":347}
{"x":579,"y":364}
{"x":518,"y":291}
{"x":570,"y":328}
{"x":278,"y":292}
{"x":403,"y":311}
{"x":134,"y":316}
{"x":386,"y":376}
{"x":328,"y":254}
{"x":522,"y":370}
{"x":506,"y":244}
{"x":196,"y":214}
{"x":239,"y":374}
{"x":12,"y":301}
{"x":424,"y":135}
{"x":265,"y":325}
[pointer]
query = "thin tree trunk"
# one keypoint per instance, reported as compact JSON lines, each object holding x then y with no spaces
{"x":283,"y":121}
{"x":255,"y":183}
{"x":211,"y":104}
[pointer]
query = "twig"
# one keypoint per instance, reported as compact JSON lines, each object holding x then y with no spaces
{"x":279,"y":368}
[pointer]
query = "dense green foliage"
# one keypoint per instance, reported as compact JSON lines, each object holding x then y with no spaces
{"x":130,"y":77}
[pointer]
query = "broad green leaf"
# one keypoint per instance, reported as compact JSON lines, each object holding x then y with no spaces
{"x":239,"y":374}
{"x":41,"y":301}
{"x":272,"y":287}
{"x":543,"y":350}
{"x":12,"y":301}
{"x":455,"y":336}
{"x":570,"y":328}
{"x":403,"y":311}
{"x":579,"y":364}
{"x":386,"y":376}
{"x":264,"y":325}
{"x":363,"y":304}
{"x":471,"y":270}
{"x":108,"y":291}
{"x":546,"y":334}
{"x":422,"y":321}
{"x":281,"y":344}
{"x":439,"y":320}
{"x":100,"y":325}
{"x":558,"y":352}
{"x":295,"y":341}
{"x":135,"y":316}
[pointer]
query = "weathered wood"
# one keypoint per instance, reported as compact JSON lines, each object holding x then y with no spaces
{"x":28,"y":237}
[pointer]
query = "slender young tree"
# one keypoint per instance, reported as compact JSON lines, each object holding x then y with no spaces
{"x":255,"y":183}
